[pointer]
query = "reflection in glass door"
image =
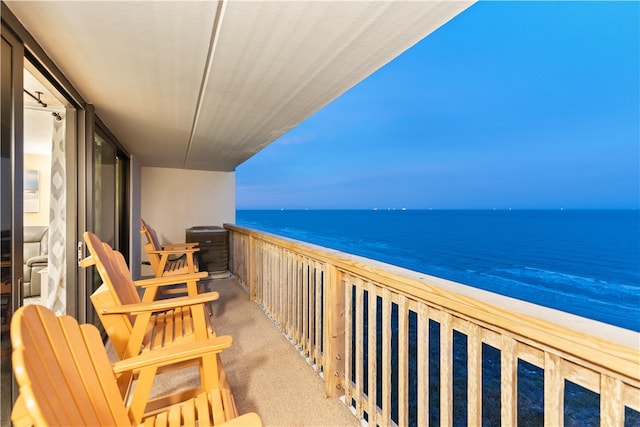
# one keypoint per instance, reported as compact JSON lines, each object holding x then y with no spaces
{"x":109,"y":210}
{"x":104,"y":190}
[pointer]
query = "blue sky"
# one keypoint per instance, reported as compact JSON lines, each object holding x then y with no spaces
{"x":509,"y":105}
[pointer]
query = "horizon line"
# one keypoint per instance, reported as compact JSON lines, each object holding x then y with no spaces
{"x":437,"y":209}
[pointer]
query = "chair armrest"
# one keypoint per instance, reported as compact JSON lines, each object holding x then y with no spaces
{"x":161,"y":305}
{"x":176,"y":246}
{"x":174,"y":354}
{"x":170,"y":280}
{"x":40,"y":259}
{"x":173,"y":251}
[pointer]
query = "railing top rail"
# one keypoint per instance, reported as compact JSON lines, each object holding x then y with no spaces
{"x":612,"y":348}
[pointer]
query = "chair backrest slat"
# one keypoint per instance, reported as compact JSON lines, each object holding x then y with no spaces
{"x":153,"y":244}
{"x":119,"y":282}
{"x":151,"y":235}
{"x":63,"y":370}
{"x":154,"y":238}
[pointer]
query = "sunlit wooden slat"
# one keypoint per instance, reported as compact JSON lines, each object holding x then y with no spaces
{"x":359,"y":343}
{"x":386,"y":357}
{"x":313,"y":314}
{"x":288,"y":287}
{"x":403,"y":362}
{"x":299,"y":299}
{"x":474,"y":368}
{"x":611,"y":402}
{"x":318,"y":316}
{"x":423,"y":365}
{"x":373,"y":362}
{"x":508,"y":382}
{"x":446,"y":370}
{"x":348,"y":336}
{"x":553,"y":391}
{"x":305,"y":308}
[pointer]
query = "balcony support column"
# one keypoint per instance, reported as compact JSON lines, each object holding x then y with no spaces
{"x":334,"y":338}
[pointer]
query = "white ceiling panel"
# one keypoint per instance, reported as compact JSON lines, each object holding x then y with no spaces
{"x":205,"y":85}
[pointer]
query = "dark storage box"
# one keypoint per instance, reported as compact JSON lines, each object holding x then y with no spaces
{"x":213,"y":242}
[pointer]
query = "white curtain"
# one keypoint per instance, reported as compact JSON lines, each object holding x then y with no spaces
{"x":57,"y":292}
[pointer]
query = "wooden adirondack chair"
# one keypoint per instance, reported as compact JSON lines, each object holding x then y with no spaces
{"x":135,"y":327}
{"x":123,"y":302}
{"x":66,"y":379}
{"x":163,"y":257}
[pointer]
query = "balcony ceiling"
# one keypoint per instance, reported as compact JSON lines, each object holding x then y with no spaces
{"x":206,"y":85}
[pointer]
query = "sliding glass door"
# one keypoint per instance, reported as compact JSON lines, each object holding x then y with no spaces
{"x":109,"y":212}
{"x":11,"y":195}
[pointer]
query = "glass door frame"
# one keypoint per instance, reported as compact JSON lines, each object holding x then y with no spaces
{"x":59,"y":86}
{"x":12,"y":195}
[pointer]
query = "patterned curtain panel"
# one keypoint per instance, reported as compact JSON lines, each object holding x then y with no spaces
{"x":57,"y":292}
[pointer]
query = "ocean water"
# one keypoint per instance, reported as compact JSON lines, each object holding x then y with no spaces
{"x":585,"y":262}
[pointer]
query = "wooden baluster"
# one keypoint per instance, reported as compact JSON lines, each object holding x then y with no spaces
{"x":553,"y":391}
{"x":403,"y":361}
{"x":509,"y":382}
{"x":386,"y":357}
{"x":474,"y":367}
{"x":348,"y":338}
{"x":334,"y":336}
{"x":359,"y":348}
{"x":611,"y":402}
{"x":446,"y":370}
{"x":423,"y":365}
{"x":317,"y":317}
{"x":373,"y":361}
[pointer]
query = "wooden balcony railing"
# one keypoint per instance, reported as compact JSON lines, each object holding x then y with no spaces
{"x":410,"y":349}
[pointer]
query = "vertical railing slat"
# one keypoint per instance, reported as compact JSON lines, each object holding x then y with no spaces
{"x":277,"y":284}
{"x":299,"y":300}
{"x":266,"y":276}
{"x":348,"y":338}
{"x":334,"y":347}
{"x":508,"y":382}
{"x":305,"y":308}
{"x":423,"y":365}
{"x":318,"y":317}
{"x":403,"y":361}
{"x":277,"y":274}
{"x":474,"y":368}
{"x":359,"y":342}
{"x":267,"y":269}
{"x":446,"y":370}
{"x":611,"y":402}
{"x":386,"y":357}
{"x":287,"y":294}
{"x":260,"y":272}
{"x":373,"y":362}
{"x":312,"y":309}
{"x":553,"y":391}
{"x":271,"y":273}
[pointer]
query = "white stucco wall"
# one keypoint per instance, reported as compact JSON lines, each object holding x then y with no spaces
{"x":173,"y":200}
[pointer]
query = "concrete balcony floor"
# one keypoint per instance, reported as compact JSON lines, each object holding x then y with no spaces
{"x":266,"y":373}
